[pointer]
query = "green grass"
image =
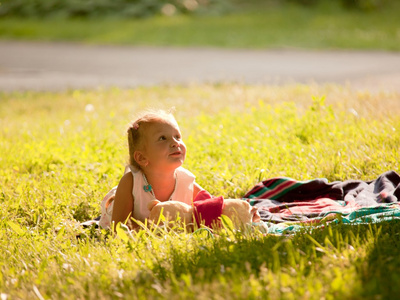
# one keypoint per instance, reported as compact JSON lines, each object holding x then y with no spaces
{"x":59,"y":158}
{"x":269,"y":26}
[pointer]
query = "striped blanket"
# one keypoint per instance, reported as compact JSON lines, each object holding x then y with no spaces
{"x":289,"y":202}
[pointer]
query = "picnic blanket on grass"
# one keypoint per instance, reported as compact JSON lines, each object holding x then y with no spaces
{"x":289,"y":203}
{"x":286,"y":205}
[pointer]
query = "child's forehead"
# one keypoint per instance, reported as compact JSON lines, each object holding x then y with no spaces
{"x":163,"y":125}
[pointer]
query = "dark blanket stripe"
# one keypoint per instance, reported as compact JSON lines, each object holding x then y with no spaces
{"x":275,"y":193}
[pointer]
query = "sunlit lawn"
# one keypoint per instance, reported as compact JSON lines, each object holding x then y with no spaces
{"x":61,"y":152}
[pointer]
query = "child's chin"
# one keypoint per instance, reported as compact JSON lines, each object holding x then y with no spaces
{"x":177,"y":159}
{"x":180,"y":163}
{"x":176,"y":163}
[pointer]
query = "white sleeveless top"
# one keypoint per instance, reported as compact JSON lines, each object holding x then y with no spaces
{"x":183,"y":192}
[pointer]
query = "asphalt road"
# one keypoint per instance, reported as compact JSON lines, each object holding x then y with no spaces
{"x":61,"y":66}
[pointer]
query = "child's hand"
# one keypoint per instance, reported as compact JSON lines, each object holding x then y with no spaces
{"x":256,"y":215}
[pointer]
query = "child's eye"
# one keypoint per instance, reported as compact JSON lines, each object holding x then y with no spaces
{"x":162,"y":138}
{"x":178,"y":137}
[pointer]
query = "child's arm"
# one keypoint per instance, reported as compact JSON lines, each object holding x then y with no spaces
{"x":196,"y":189}
{"x":123,"y":203}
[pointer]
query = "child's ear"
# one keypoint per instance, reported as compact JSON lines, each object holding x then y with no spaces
{"x":140,"y":158}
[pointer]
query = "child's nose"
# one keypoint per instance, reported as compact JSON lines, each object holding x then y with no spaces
{"x":175,"y":142}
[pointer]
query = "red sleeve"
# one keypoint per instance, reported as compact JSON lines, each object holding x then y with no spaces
{"x":203,"y":194}
{"x":207,"y":209}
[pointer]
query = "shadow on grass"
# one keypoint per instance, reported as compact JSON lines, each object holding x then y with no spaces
{"x":301,"y":257}
{"x":379,"y":271}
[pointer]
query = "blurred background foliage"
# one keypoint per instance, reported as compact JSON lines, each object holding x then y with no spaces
{"x":106,"y":8}
{"x":147,"y":8}
{"x":364,"y":5}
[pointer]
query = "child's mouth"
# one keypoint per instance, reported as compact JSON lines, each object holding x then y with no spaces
{"x":177,"y":153}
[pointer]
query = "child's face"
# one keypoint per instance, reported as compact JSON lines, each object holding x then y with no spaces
{"x":164,"y":147}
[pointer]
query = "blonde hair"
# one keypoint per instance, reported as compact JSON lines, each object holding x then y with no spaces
{"x":136,"y":130}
